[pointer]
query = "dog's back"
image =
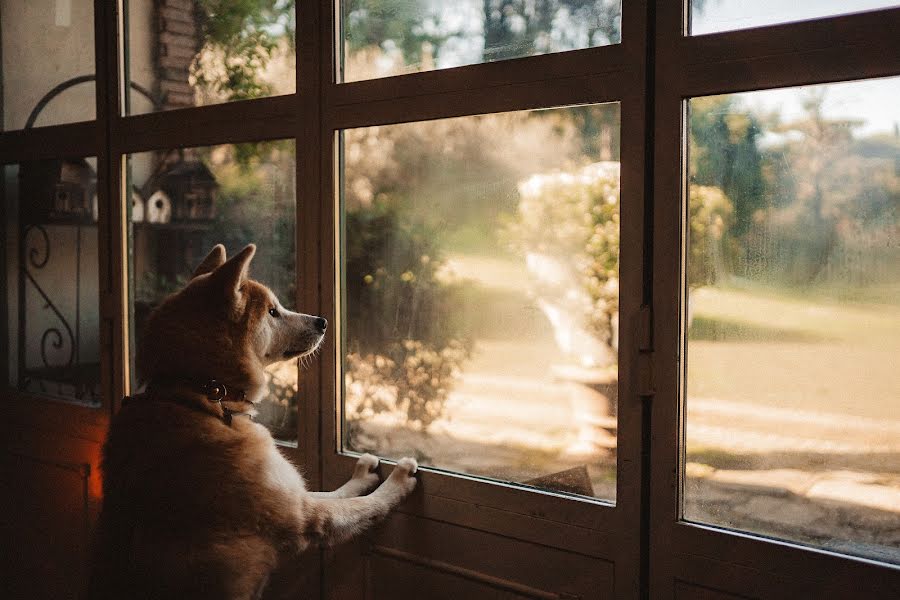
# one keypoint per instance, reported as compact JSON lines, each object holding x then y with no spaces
{"x":184,"y":515}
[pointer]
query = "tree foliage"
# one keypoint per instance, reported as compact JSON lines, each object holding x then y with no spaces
{"x":242,"y":36}
{"x":725,"y":153}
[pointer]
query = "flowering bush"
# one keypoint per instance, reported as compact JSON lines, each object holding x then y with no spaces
{"x":573,"y":218}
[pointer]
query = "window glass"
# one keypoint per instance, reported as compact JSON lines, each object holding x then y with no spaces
{"x":183,"y":202}
{"x":51,"y":286}
{"x":711,"y":16}
{"x":392,"y":37}
{"x":793,"y":315}
{"x":183,"y":53}
{"x":480,"y":295}
{"x":46,"y":63}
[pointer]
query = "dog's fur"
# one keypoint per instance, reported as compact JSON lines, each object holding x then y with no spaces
{"x":195,"y":507}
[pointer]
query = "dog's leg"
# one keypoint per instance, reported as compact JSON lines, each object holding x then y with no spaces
{"x":363,"y":481}
{"x":336,"y":520}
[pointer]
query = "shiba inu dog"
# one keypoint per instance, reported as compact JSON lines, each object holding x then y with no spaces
{"x":197,"y":500}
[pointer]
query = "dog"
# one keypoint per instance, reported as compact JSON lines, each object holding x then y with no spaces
{"x":197,"y":500}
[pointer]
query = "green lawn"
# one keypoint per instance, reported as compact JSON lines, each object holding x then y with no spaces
{"x":808,"y":352}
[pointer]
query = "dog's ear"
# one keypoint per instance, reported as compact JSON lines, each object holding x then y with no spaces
{"x":233,"y":273}
{"x":213,"y":260}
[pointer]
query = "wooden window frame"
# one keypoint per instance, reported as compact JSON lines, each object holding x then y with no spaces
{"x":650,"y":73}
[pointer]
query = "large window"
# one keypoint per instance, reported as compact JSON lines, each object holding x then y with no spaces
{"x":621,"y":275}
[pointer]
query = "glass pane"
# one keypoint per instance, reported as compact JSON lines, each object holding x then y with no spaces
{"x":183,"y":53}
{"x":793,"y":321}
{"x":46,"y":62}
{"x":51,"y":285}
{"x":480,"y":295}
{"x":392,"y":37}
{"x":185,"y":201}
{"x":711,"y":16}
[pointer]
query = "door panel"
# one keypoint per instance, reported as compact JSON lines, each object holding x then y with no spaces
{"x":410,"y":555}
{"x":48,"y":506}
{"x":707,"y":268}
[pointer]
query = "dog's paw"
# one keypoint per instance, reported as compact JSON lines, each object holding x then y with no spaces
{"x":367,"y":463}
{"x":365,"y":472}
{"x":409,"y":465}
{"x":403,"y":475}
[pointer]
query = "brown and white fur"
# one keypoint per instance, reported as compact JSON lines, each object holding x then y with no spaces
{"x":194,"y":507}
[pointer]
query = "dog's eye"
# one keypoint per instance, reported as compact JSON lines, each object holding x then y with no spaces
{"x":274,"y":312}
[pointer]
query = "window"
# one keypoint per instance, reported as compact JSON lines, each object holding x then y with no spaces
{"x":185,"y":201}
{"x":51,"y":279}
{"x":381,"y":39}
{"x":480,"y":294}
{"x":59,"y":88}
{"x":792,"y":314}
{"x":622,"y":276}
{"x":183,"y":54}
{"x":711,"y":16}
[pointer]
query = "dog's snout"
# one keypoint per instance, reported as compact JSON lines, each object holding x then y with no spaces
{"x":321,"y":324}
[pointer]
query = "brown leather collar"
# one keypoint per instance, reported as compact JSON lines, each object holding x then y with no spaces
{"x":215,"y":391}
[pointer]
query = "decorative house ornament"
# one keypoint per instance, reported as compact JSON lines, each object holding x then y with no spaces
{"x":59,"y":190}
{"x":182,"y":189}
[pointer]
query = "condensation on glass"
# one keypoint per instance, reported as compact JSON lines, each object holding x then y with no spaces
{"x":712,"y":16}
{"x":793,"y":315}
{"x":46,"y":63}
{"x":393,"y":37}
{"x":184,"y":53}
{"x":480,"y":295}
{"x":51,"y":288}
{"x":183,"y":202}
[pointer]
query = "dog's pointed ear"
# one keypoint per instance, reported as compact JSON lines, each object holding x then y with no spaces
{"x":233,"y":273}
{"x":213,"y":260}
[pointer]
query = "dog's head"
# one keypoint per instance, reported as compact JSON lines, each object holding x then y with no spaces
{"x":224,"y":325}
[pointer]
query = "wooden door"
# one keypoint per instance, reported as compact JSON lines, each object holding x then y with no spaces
{"x":488,"y":518}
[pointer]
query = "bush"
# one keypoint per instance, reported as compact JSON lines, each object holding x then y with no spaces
{"x":405,"y":328}
{"x":573,"y":218}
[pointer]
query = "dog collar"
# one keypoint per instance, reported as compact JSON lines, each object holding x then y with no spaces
{"x":213,"y":390}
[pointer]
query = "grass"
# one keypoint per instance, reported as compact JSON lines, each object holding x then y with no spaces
{"x":785,"y":349}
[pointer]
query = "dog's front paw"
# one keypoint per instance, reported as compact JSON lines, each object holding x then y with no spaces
{"x":403,"y":476}
{"x":365,"y":472}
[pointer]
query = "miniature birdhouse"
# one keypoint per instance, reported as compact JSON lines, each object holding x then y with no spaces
{"x":181,"y":190}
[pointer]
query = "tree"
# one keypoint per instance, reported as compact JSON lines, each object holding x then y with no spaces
{"x":822,"y":183}
{"x":241,"y":36}
{"x":724,"y":153}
